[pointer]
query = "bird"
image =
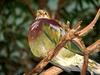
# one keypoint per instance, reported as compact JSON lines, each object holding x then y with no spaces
{"x":44,"y":34}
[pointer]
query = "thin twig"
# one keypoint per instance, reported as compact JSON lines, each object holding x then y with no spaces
{"x":77,"y":26}
{"x":90,"y":26}
{"x":81,"y":45}
{"x":64,"y":26}
{"x":95,"y":47}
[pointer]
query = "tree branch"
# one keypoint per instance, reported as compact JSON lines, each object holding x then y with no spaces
{"x":85,"y":64}
{"x":90,"y":26}
{"x":52,"y":71}
{"x":95,"y":47}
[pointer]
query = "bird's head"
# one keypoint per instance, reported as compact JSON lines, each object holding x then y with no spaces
{"x":42,"y":14}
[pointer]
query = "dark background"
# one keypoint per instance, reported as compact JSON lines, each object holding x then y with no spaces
{"x":16,"y":17}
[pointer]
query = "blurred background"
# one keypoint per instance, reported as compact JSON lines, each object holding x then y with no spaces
{"x":16,"y":17}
